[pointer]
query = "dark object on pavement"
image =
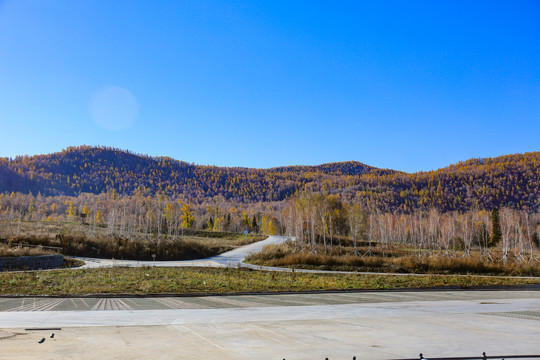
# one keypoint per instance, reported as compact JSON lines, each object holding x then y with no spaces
{"x":42,"y":340}
{"x":52,"y":335}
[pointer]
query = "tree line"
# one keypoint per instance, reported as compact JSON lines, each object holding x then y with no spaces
{"x":137,"y":216}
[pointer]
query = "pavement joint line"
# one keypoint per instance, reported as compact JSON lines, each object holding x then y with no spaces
{"x":132,"y":302}
{"x":280,"y":335}
{"x":239,"y":303}
{"x":258,"y":333}
{"x":202,"y":337}
{"x":97,"y":305}
{"x":123,"y":304}
{"x":179,"y":304}
{"x":41,"y":305}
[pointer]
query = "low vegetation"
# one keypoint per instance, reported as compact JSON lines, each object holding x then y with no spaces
{"x":187,"y":248}
{"x":192,"y":281}
{"x":78,"y":240}
{"x":7,"y":250}
{"x":394,"y":260}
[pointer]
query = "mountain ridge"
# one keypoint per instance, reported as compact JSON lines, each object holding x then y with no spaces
{"x":510,"y":180}
{"x":160,"y":157}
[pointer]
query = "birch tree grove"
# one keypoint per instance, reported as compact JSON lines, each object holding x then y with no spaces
{"x":449,"y":234}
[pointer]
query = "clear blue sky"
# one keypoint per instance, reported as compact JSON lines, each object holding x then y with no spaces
{"x":407,"y":85}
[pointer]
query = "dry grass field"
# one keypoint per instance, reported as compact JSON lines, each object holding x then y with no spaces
{"x":7,"y":250}
{"x":397,"y":259}
{"x":77,"y":239}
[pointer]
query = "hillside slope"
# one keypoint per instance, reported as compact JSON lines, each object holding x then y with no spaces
{"x":100,"y":169}
{"x":511,"y":180}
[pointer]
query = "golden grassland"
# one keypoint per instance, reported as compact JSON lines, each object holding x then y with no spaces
{"x":193,"y":281}
{"x":397,"y":260}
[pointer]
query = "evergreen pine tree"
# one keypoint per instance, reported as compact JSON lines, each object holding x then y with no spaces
{"x":228,"y":222}
{"x":536,"y":239}
{"x":254,"y":224}
{"x":496,"y":233}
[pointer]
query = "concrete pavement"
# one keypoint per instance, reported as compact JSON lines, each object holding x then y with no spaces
{"x":96,"y":303}
{"x":379,"y":325}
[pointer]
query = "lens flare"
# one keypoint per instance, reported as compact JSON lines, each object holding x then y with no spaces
{"x":114,"y":108}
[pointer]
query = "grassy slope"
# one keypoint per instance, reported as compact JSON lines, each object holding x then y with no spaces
{"x":151,"y":280}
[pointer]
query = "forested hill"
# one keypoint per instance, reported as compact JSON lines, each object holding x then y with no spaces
{"x":511,"y":180}
{"x":101,"y":169}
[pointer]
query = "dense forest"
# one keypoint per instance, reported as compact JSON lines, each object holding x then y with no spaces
{"x":508,"y":181}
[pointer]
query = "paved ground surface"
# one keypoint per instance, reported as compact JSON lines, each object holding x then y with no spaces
{"x":25,"y":304}
{"x":380,"y":325}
